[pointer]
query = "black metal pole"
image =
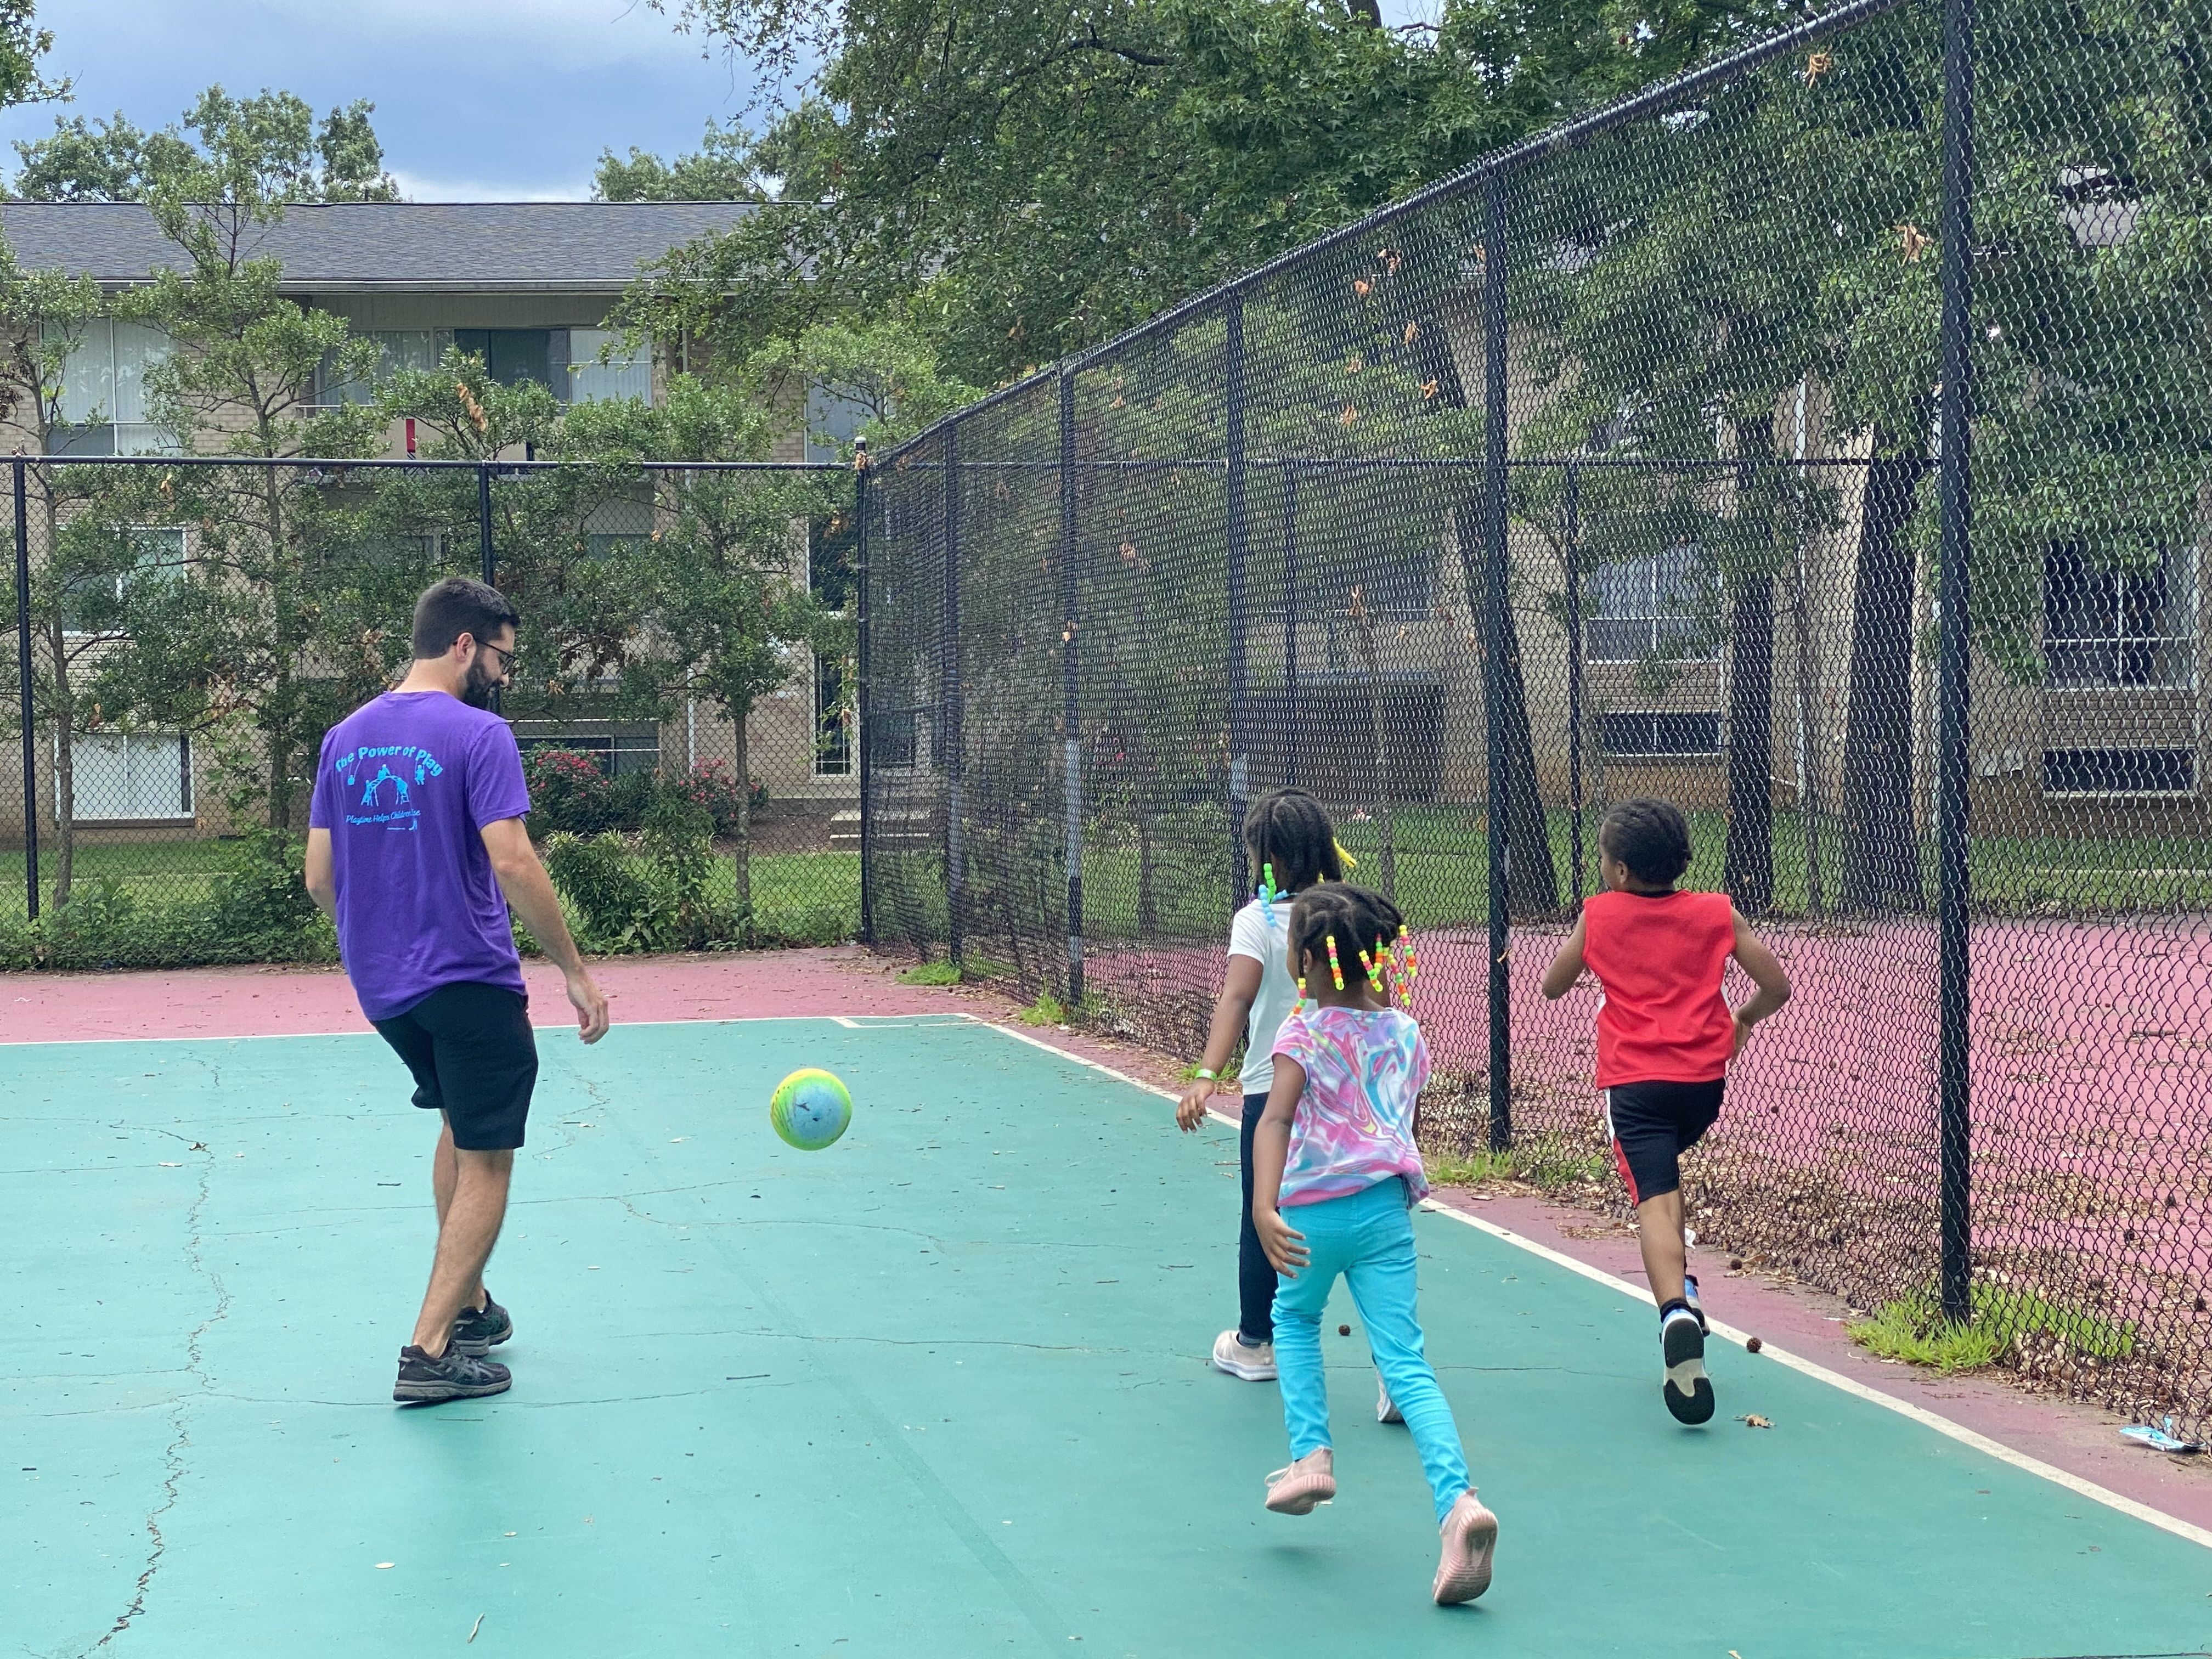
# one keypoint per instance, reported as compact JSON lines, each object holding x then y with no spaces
{"x":1070,"y":688}
{"x":487,"y":561}
{"x":1290,"y":749}
{"x":1574,"y":557}
{"x":1236,"y":537}
{"x":864,"y":667}
{"x":1955,"y":510}
{"x":951,"y":744}
{"x":1493,"y":652}
{"x":29,"y":702}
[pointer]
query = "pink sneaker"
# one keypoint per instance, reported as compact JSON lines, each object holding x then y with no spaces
{"x":1303,"y":1486}
{"x":1470,"y":1534}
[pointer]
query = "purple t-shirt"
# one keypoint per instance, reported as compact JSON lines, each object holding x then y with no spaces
{"x":406,"y":785}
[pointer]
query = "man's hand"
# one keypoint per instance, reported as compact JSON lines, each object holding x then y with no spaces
{"x":1286,"y":1249}
{"x":591,"y":1006}
{"x":1190,"y":1110}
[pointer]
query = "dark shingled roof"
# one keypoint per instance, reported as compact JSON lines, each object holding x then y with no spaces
{"x":338,"y":247}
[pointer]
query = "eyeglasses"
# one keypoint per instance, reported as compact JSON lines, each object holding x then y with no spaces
{"x":506,"y":657}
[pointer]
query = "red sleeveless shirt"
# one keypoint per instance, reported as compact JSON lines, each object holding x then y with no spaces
{"x":1660,"y":960}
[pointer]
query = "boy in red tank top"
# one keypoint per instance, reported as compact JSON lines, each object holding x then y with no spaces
{"x":1665,"y":1036}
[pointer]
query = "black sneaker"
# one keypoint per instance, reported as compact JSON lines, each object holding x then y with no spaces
{"x":479,"y":1330}
{"x":452,"y":1376}
{"x":1689,"y":1391}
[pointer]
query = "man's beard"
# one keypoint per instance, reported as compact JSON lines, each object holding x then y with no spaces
{"x":480,"y":688}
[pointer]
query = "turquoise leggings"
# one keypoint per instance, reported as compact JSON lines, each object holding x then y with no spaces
{"x":1369,"y":1238}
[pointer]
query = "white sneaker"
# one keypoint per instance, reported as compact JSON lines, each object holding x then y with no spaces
{"x":1386,"y":1409}
{"x":1252,"y":1365}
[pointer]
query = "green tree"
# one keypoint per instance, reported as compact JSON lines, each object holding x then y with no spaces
{"x":726,"y":167}
{"x":243,"y":644}
{"x":265,"y":148}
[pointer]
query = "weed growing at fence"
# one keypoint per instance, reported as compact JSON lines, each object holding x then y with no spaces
{"x":1545,"y":1161}
{"x":1913,"y":1329}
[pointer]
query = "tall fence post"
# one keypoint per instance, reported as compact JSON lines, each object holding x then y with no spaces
{"x":950,"y":714}
{"x":1574,"y":575}
{"x":1290,"y":720}
{"x":1238,"y":540}
{"x":1493,"y":651}
{"x":487,"y":561}
{"x":1954,"y":507}
{"x":863,"y":669}
{"x":29,"y":702}
{"x":1071,"y":685}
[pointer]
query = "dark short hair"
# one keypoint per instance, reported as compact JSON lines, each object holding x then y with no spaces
{"x":1651,"y":837}
{"x":1357,"y":918}
{"x":1288,"y":829}
{"x":455,"y":606}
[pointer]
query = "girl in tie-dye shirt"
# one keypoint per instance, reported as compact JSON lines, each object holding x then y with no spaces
{"x":1334,"y":1149}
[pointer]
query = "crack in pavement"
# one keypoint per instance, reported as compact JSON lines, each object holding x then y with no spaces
{"x":173,"y":1459}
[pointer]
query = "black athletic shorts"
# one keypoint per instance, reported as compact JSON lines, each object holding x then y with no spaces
{"x":1651,"y":1125}
{"x":474,"y":1059}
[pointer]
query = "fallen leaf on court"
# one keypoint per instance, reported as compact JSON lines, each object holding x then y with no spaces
{"x":384,"y":1565}
{"x":474,"y":1628}
{"x":1755,"y":1421}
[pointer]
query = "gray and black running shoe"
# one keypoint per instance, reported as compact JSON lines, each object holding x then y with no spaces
{"x":452,"y":1375}
{"x":479,"y":1330}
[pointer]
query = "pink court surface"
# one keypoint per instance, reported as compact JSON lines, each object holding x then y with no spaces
{"x":2026,"y":973}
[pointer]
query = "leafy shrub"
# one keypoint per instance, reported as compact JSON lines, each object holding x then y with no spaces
{"x":711,"y":787}
{"x":569,"y":794}
{"x":647,"y":892}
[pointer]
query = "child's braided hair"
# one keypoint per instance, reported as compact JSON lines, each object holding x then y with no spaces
{"x":1288,"y":829}
{"x":1359,"y":920}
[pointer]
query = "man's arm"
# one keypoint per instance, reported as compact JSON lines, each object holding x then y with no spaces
{"x":530,"y":891}
{"x":322,"y":877}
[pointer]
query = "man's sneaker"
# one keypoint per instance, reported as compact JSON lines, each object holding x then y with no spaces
{"x":451,"y":1376}
{"x":1304,"y":1485}
{"x":1690,"y":1296}
{"x":479,"y":1330}
{"x":1253,"y":1364}
{"x":1386,"y":1409}
{"x":1470,"y":1533}
{"x":1689,"y":1391}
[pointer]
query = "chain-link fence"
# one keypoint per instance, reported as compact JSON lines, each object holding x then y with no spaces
{"x":1623,"y":463}
{"x":188,"y":628}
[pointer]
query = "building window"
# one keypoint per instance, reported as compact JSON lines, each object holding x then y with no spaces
{"x":103,"y":402}
{"x":126,"y":777}
{"x":397,"y":350}
{"x":150,"y":554}
{"x":627,"y":372}
{"x":833,"y":737}
{"x":1658,"y":606}
{"x":2104,"y":626}
{"x":1655,"y":734}
{"x":2119,"y":772}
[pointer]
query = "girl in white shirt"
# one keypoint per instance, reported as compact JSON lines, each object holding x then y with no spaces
{"x":1289,"y":846}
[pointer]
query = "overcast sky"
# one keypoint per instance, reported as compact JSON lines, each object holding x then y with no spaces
{"x":476,"y":100}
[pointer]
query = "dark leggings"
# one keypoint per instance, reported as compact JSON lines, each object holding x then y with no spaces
{"x":1256,"y":1275}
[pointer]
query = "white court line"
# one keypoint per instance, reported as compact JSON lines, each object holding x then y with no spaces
{"x":864,"y":1022}
{"x":1920,"y":1414}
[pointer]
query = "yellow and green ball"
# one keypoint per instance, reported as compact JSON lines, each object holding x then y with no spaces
{"x":811,"y":1109}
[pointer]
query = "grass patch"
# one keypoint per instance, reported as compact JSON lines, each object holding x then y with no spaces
{"x":1046,"y":1010}
{"x":933,"y":974}
{"x":1914,"y":1330}
{"x":1544,"y":1161}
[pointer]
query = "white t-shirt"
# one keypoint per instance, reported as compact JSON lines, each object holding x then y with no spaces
{"x":1267,"y":940}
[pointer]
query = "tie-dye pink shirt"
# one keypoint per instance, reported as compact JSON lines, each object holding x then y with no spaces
{"x":1354,"y":1127}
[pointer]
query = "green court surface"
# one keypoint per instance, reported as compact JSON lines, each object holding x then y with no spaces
{"x":938,"y":1390}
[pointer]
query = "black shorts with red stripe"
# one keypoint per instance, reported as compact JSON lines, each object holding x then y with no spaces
{"x":1651,"y":1125}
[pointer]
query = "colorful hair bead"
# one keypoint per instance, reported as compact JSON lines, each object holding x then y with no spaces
{"x":1343,"y":857}
{"x":1336,"y":968}
{"x":1268,"y":891}
{"x":1374,"y":966}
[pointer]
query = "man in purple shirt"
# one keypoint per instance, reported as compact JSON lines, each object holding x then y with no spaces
{"x":415,"y":847}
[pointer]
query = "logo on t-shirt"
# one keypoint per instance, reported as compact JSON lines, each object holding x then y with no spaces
{"x":387,"y":794}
